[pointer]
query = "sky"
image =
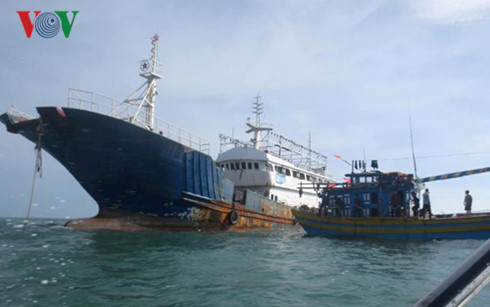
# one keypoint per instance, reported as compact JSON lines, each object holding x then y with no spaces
{"x":349,"y":72}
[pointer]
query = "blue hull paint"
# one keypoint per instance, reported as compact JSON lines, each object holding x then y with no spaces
{"x":477,"y":227}
{"x":132,"y":172}
{"x":480,"y":235}
{"x":409,"y":226}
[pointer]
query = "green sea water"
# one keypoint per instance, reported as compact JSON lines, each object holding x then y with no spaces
{"x":48,"y":265}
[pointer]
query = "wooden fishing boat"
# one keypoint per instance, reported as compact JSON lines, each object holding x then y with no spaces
{"x":377,"y":205}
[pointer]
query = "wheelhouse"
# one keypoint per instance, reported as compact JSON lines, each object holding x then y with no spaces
{"x":374,"y":189}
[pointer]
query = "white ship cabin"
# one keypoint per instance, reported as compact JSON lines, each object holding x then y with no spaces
{"x":268,"y":175}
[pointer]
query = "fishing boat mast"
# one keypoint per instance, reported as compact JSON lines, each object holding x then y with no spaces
{"x":257,"y":109}
{"x":139,"y":107}
{"x":277,"y":145}
{"x":151,"y":72}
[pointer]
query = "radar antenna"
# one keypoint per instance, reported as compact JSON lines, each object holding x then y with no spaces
{"x":257,"y":109}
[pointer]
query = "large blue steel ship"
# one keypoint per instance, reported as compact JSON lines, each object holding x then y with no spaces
{"x":141,"y":174}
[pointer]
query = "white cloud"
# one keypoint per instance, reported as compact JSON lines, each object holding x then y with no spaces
{"x":452,"y":11}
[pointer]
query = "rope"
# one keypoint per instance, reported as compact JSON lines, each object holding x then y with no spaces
{"x":37,"y":169}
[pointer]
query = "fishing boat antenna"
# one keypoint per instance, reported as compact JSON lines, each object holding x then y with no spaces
{"x":309,"y":147}
{"x":411,"y":141}
{"x":364,"y":156}
{"x":151,"y":70}
{"x":257,"y":109}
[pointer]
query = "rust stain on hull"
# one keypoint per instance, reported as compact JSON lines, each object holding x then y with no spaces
{"x":209,"y":218}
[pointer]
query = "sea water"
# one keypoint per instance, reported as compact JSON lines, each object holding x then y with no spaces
{"x":49,"y":265}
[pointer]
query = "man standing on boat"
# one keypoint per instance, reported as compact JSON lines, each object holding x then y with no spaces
{"x":426,"y":201}
{"x":339,"y":207}
{"x":416,"y":204}
{"x":395,"y":204}
{"x":468,"y":200}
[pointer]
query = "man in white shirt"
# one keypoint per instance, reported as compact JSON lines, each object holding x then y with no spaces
{"x":426,"y":202}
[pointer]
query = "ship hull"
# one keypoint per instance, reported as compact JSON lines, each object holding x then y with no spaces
{"x":476,"y":227}
{"x":139,"y":179}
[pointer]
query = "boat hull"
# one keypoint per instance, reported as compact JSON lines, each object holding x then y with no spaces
{"x":142,"y":180}
{"x":477,"y":227}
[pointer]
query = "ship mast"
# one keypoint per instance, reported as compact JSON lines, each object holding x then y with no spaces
{"x":256,"y":128}
{"x":150,"y":71}
{"x":277,"y":145}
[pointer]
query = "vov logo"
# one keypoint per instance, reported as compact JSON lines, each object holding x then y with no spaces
{"x":47,"y":24}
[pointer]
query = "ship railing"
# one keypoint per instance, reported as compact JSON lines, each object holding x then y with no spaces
{"x":15,"y":112}
{"x":181,"y":135}
{"x":133,"y":113}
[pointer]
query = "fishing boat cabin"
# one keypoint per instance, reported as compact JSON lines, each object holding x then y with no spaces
{"x":366,"y":194}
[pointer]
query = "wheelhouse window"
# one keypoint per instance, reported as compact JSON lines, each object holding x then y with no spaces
{"x":287,"y":172}
{"x":232,"y":166}
{"x":269,"y":167}
{"x":244,"y":165}
{"x":237,"y":165}
{"x":302,"y":176}
{"x":249,"y":164}
{"x":256,"y":165}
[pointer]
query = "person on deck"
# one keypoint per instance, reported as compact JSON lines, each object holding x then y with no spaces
{"x":468,"y":200}
{"x":416,"y":204}
{"x":395,"y":204}
{"x":426,"y":203}
{"x":339,"y":207}
{"x":357,"y":206}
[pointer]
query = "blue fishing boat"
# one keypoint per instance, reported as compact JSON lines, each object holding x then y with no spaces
{"x":373,"y":204}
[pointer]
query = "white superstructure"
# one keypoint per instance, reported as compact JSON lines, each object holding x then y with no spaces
{"x":273,"y":165}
